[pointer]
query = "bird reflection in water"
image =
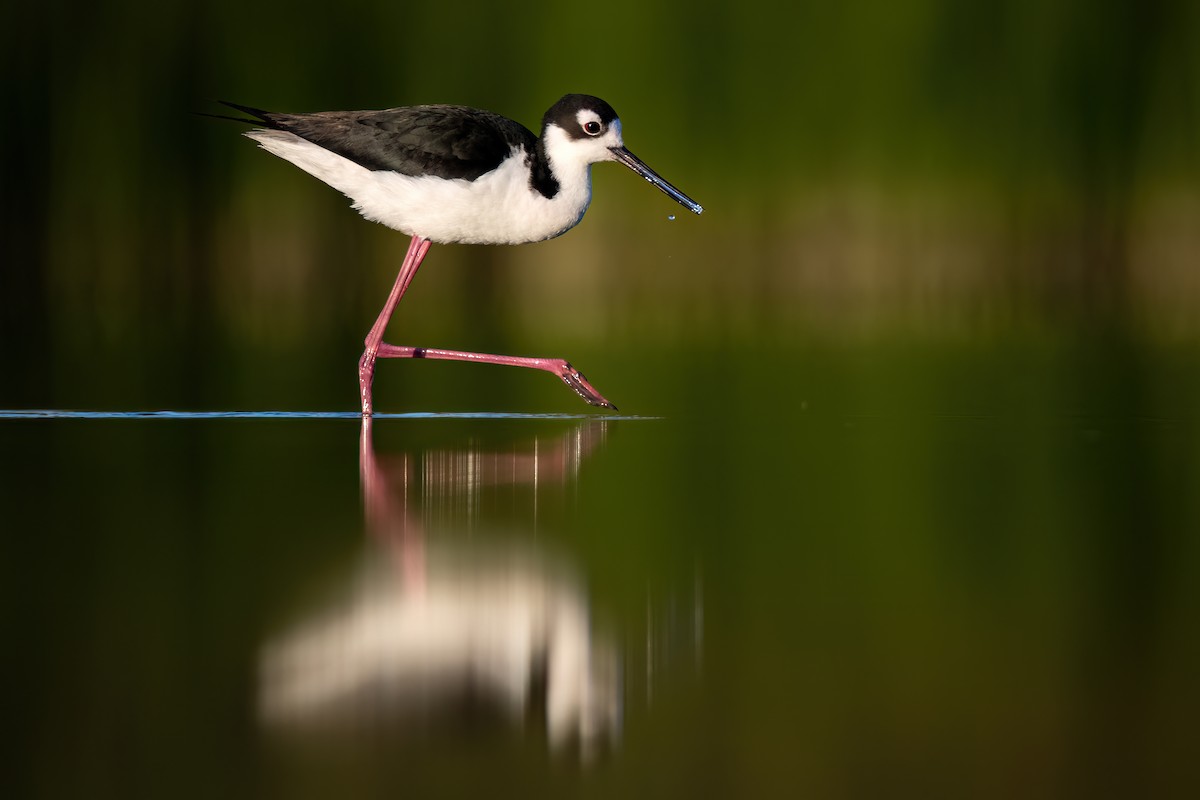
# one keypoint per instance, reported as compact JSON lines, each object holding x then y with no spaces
{"x":436,"y":623}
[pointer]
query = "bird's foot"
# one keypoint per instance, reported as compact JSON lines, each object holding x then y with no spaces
{"x":366,"y":376}
{"x":580,"y":385}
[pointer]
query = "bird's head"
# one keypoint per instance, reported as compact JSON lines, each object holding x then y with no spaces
{"x":581,"y":129}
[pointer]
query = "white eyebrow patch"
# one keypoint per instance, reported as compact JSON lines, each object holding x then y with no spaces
{"x":586,"y":115}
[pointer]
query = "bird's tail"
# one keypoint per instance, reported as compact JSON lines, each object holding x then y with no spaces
{"x":261,"y":117}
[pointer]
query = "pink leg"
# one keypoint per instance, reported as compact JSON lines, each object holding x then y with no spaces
{"x":555,"y":366}
{"x":366,"y":365}
{"x":377,"y":348}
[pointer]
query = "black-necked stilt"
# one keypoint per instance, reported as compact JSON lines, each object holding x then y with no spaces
{"x":453,"y":174}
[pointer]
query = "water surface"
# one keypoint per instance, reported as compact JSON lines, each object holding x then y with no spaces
{"x":945,"y":583}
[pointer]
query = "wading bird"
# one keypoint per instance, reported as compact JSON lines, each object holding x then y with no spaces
{"x":453,"y":174}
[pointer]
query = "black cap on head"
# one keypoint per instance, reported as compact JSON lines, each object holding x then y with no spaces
{"x":565,"y":113}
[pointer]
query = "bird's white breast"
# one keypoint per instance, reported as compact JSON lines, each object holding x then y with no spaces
{"x":499,"y":207}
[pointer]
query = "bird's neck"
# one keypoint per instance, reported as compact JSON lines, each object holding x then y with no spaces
{"x":550,"y":178}
{"x":541,"y":175}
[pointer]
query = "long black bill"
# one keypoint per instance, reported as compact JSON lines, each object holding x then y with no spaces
{"x":637,"y":165}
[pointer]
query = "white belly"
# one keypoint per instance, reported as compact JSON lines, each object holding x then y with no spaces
{"x":499,"y":207}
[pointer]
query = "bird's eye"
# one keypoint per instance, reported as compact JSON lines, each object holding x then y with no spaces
{"x":592,"y":128}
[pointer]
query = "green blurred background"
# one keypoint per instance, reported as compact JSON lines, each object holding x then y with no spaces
{"x":927,"y":368}
{"x":869,"y":169}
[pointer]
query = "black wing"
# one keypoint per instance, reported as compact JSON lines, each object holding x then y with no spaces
{"x":446,"y":141}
